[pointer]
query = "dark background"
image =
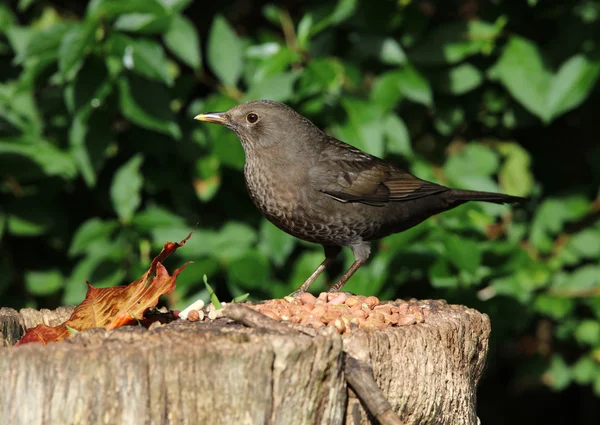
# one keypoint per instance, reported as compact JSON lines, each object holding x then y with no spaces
{"x":101,"y":162}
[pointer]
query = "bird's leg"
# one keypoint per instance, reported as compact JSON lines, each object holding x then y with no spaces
{"x":361,"y":254}
{"x":340,"y":283}
{"x":331,"y":252}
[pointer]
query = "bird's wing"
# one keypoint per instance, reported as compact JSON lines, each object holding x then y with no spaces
{"x":350,"y":175}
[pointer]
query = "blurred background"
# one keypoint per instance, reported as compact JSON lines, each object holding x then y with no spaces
{"x":101,"y":162}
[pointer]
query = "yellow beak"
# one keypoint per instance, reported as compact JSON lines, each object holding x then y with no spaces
{"x":215,"y":117}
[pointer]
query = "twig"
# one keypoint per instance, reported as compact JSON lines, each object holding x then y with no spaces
{"x":254,"y":319}
{"x":360,"y":377}
{"x":287,"y":26}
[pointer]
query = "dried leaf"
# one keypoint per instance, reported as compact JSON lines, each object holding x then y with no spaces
{"x":114,"y":307}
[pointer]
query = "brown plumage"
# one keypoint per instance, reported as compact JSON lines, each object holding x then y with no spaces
{"x":325,"y":191}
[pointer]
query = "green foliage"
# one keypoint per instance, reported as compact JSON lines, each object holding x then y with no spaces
{"x":101,"y":162}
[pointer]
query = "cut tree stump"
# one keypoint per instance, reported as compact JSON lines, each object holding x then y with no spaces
{"x":222,"y":372}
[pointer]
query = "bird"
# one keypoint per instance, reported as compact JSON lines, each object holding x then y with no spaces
{"x":322,"y":190}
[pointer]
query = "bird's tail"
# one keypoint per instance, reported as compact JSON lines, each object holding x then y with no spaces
{"x":473,"y":195}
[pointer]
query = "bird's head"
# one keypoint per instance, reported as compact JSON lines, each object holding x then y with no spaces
{"x":265,"y":123}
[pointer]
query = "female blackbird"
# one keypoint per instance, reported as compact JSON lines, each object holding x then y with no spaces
{"x":322,"y":190}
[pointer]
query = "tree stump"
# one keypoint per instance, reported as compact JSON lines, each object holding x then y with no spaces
{"x":222,"y":372}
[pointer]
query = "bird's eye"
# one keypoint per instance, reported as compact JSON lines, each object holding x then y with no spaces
{"x":251,"y":117}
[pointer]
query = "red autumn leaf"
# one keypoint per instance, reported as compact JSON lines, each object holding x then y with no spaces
{"x":113,"y":307}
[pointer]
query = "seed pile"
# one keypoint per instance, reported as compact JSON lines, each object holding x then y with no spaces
{"x":341,"y":311}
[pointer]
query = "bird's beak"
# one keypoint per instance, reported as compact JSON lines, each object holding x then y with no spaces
{"x":214,"y":117}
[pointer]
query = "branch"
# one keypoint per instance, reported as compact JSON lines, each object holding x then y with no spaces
{"x":360,"y":377}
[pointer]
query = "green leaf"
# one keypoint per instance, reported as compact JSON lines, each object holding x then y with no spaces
{"x":364,"y":128}
{"x":154,"y":216}
{"x":7,"y":18}
{"x":24,"y":5}
{"x":585,"y":370}
{"x":442,"y":275}
{"x":89,"y":142}
{"x":277,"y":87}
{"x":322,"y":75}
{"x":250,"y":270}
{"x":231,"y":241}
{"x":263,"y":51}
{"x":110,"y":9}
{"x":26,"y":226}
{"x":455,"y":41}
{"x":228,"y":149}
{"x":458,"y":80}
{"x":90,"y":89}
{"x":135,"y":22}
{"x":555,"y":307}
{"x":182,"y":39}
{"x":240,"y":298}
{"x":464,"y":253}
{"x":304,"y":31}
{"x":45,"y":44}
{"x":572,"y":84}
{"x":271,"y":14}
{"x":19,"y":109}
{"x":208,"y":181}
{"x":32,"y":215}
{"x":515,"y":173}
{"x":522,"y":71}
{"x":558,"y":376}
{"x":51,"y":159}
{"x":224,"y":52}
{"x":213,"y":297}
{"x":342,"y":11}
{"x":470,"y":164}
{"x":586,"y":243}
{"x":44,"y":283}
{"x":73,"y":49}
{"x":312,"y":24}
{"x":275,"y":243}
{"x":550,"y":218}
{"x":125,"y":190}
{"x":277,"y":64}
{"x":89,"y":233}
{"x":386,"y":90}
{"x":147,"y":104}
{"x":588,"y":332}
{"x":175,"y":5}
{"x":19,"y":38}
{"x":583,"y":278}
{"x":398,"y":138}
{"x":414,"y":86}
{"x":143,"y":23}
{"x":91,"y":130}
{"x":143,"y":56}
{"x":74,"y":331}
{"x":391,"y":52}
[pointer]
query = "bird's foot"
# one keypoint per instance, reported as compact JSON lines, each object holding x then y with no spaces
{"x":346,"y":293}
{"x":297,"y":293}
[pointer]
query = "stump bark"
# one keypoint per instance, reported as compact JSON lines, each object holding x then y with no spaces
{"x":222,"y":372}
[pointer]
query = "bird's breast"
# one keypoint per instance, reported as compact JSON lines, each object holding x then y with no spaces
{"x":276,"y":193}
{"x":287,"y":200}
